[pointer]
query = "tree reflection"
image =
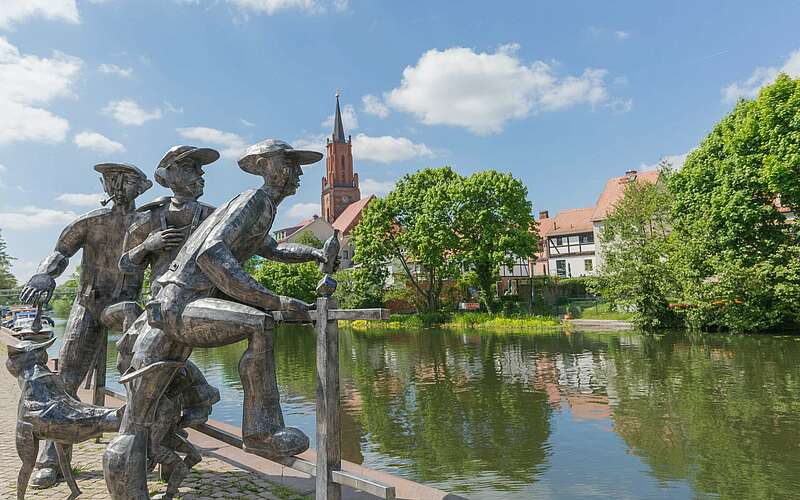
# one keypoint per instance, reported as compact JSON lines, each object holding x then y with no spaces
{"x":719,"y":412}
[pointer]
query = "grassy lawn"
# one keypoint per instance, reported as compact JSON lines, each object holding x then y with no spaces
{"x":470,"y":320}
{"x":604,"y":311}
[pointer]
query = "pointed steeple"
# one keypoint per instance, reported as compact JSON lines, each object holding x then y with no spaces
{"x":338,"y":128}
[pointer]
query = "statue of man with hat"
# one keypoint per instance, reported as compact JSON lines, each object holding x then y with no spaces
{"x":100,"y":234}
{"x":161,"y":226}
{"x":207,"y":299}
{"x":153,"y":240}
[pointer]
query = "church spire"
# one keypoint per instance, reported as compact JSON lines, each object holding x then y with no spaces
{"x":340,"y":184}
{"x":338,"y":128}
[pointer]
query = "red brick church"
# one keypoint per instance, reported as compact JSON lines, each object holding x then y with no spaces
{"x":340,"y":200}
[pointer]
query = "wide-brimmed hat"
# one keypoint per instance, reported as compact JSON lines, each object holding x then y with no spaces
{"x":203,"y":156}
{"x":125,"y":168}
{"x":16,"y":346}
{"x":270,"y":147}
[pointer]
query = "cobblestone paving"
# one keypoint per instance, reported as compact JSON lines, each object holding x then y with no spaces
{"x":210,"y":479}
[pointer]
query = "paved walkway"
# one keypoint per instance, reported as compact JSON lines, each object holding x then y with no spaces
{"x":210,"y":479}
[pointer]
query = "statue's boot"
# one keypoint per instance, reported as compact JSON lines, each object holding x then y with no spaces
{"x":263,"y":430}
{"x":284,"y":442}
{"x":47,"y":471}
{"x":45,"y":476}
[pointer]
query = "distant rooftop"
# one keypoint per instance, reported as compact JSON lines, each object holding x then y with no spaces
{"x":615,"y":189}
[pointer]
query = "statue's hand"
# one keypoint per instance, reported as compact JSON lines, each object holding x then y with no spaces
{"x":291,"y":304}
{"x":168,"y":238}
{"x":319,"y":256}
{"x":38,"y":289}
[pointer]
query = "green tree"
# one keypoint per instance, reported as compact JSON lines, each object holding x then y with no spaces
{"x":737,"y":255}
{"x":65,"y":295}
{"x":309,"y":238}
{"x":360,"y":287}
{"x":494,"y":225}
{"x":293,"y":280}
{"x":413,"y":227}
{"x":7,"y":280}
{"x":636,"y":253}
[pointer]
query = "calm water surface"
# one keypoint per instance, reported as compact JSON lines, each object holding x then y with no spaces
{"x":552,"y":415}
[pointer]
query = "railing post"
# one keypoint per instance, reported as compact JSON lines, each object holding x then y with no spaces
{"x":329,"y":457}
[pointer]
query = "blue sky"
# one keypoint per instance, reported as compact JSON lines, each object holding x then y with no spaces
{"x":562,"y":94}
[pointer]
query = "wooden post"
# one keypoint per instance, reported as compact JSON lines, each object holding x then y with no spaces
{"x":329,"y":458}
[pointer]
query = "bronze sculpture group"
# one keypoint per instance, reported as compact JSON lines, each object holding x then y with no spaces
{"x":200,"y":296}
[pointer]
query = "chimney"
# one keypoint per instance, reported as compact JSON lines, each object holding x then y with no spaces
{"x":630,"y":175}
{"x":544,"y":214}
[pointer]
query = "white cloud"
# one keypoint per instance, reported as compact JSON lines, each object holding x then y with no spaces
{"x":168,"y":106}
{"x":316,"y":142}
{"x":387,"y":149}
{"x":761,"y":77}
{"x":113,"y":69}
{"x":14,"y":11}
{"x":374,"y":106}
{"x":270,"y":7}
{"x":81,"y":199}
{"x":619,"y":106}
{"x":3,"y":168}
{"x":98,"y":142}
{"x":481,"y":91}
{"x":300,"y":211}
{"x":27,"y":81}
{"x":378,"y":188}
{"x":32,"y":218}
{"x":621,"y":35}
{"x":349,"y":118}
{"x":675,"y":161}
{"x":128,"y":112}
{"x":382,"y":149}
{"x":247,"y":123}
{"x":232,"y":144}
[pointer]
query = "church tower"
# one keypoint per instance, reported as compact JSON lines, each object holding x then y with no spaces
{"x":340,"y":184}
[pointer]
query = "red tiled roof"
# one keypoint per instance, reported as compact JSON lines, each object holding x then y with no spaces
{"x":293,"y":229}
{"x":351,"y":215}
{"x":573,"y":221}
{"x":615,"y":188}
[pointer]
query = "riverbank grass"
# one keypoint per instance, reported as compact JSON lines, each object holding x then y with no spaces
{"x":469,"y":320}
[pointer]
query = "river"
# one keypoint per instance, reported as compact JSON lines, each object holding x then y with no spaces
{"x":551,"y":415}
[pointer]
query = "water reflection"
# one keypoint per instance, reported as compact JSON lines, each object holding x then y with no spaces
{"x":551,"y":414}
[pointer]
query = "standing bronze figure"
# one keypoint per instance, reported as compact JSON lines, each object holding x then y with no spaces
{"x":100,"y":234}
{"x":207,"y":299}
{"x":154,"y":240}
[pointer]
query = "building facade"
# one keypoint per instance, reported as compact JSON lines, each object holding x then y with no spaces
{"x":570,"y":243}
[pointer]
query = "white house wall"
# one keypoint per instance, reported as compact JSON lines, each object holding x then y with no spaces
{"x":575,"y":265}
{"x":319,"y":228}
{"x":598,"y":253}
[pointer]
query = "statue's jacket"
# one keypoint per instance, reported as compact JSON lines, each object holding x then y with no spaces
{"x":101,"y":234}
{"x":243,"y":222}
